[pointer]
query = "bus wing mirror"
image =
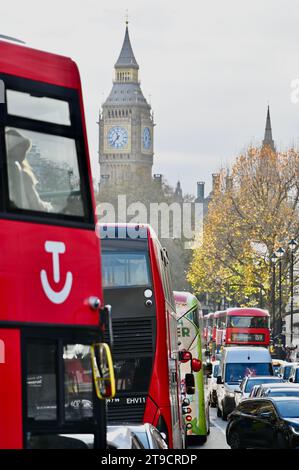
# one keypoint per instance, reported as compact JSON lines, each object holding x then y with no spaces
{"x":102,"y":371}
{"x":190,"y":384}
{"x":219,"y":380}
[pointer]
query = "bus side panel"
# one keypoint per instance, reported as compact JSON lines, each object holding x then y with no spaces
{"x":10,"y":390}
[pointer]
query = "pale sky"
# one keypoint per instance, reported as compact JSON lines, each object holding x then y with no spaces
{"x":210,"y":67}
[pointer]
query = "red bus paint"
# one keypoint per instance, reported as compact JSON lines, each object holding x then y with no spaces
{"x":50,"y":263}
{"x":145,"y":353}
{"x":247,"y":326}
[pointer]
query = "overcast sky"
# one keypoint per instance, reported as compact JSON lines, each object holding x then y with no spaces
{"x":211,"y":68}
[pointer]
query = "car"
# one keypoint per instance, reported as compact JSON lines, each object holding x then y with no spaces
{"x":271,"y":422}
{"x":149,"y":436}
{"x":122,"y":437}
{"x":249,"y":382}
{"x":294,"y":374}
{"x":237,"y":362}
{"x":261,"y":388}
{"x":280,"y":392}
{"x":212,"y":385}
{"x":118,"y":437}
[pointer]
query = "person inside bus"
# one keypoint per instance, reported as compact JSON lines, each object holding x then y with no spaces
{"x":21,"y":179}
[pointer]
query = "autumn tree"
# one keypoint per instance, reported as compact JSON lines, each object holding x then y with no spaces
{"x":253,"y":212}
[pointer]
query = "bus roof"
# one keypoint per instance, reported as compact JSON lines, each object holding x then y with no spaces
{"x":125,"y":230}
{"x":22,"y":61}
{"x":253,"y":312}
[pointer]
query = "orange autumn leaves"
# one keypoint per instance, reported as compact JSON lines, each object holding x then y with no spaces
{"x":254,"y":210}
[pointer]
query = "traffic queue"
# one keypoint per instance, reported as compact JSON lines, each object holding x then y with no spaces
{"x":258,"y":396}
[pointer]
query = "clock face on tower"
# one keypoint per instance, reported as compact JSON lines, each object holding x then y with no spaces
{"x":117,"y":137}
{"x":147,"y":138}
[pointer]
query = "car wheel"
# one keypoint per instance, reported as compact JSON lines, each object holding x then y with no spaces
{"x":219,"y":414}
{"x":234,"y":441}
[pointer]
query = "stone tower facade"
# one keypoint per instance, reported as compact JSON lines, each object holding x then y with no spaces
{"x":126,"y":127}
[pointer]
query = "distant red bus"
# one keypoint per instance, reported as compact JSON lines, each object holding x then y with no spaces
{"x":137,"y":283}
{"x":247,"y":326}
{"x":49,"y":262}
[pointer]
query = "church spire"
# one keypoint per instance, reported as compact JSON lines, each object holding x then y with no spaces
{"x":268,"y":140}
{"x":126,"y":57}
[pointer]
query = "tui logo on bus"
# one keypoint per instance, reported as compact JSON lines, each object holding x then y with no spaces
{"x":57,"y":297}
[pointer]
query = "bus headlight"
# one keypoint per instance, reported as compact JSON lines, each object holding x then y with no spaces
{"x":148,"y":293}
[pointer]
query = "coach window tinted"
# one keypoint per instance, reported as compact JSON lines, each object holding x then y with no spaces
{"x":125,"y":269}
{"x":40,"y":108}
{"x":43,"y":173}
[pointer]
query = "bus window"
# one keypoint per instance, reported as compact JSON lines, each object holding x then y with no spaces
{"x":125,"y":269}
{"x":43,"y":172}
{"x":41,"y":382}
{"x":78,"y":382}
{"x":133,"y":375}
{"x":40,"y":108}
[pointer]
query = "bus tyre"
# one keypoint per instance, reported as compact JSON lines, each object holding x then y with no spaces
{"x":219,"y":414}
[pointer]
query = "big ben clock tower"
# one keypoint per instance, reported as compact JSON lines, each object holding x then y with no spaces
{"x":126,"y":125}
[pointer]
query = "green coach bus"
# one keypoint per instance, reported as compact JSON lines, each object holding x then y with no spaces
{"x":190,"y":333}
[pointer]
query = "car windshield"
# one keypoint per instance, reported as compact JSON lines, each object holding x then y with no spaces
{"x":235,"y":372}
{"x":215,"y":371}
{"x":288,"y":408}
{"x":251,"y":382}
{"x":286,"y":372}
{"x":247,"y":322}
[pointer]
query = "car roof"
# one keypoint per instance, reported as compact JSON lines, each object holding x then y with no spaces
{"x":272,"y":377}
{"x":273,"y":399}
{"x":283,"y":388}
{"x":278,"y":399}
{"x":280,"y":385}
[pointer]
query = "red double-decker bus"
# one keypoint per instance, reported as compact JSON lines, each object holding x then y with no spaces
{"x":247,"y":326}
{"x":137,"y":283}
{"x":49,"y":262}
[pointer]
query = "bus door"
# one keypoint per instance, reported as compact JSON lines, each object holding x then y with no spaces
{"x":58,"y":391}
{"x":11,"y":436}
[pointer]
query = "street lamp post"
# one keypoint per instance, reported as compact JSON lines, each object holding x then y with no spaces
{"x":280,"y":252}
{"x":274,"y":259}
{"x":292,"y":245}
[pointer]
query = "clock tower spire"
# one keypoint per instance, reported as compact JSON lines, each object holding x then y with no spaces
{"x":126,"y":124}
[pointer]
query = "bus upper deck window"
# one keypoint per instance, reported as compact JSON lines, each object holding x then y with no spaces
{"x":39,"y":108}
{"x":43,"y":172}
